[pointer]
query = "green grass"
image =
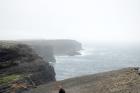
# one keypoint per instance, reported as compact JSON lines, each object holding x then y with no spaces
{"x":9,"y":78}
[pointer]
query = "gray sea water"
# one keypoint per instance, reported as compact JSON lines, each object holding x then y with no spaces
{"x":95,"y":59}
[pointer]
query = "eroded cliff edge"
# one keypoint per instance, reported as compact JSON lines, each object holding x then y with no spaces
{"x":19,"y":61}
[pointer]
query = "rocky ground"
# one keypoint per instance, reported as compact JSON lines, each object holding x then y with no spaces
{"x":120,"y":81}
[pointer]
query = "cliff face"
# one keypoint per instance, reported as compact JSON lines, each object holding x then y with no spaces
{"x":19,"y":60}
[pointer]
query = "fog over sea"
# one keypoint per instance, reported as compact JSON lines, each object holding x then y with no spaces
{"x":97,"y":58}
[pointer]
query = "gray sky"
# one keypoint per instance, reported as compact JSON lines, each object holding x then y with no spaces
{"x":95,"y":20}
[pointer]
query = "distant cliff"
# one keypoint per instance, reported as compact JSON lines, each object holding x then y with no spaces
{"x":65,"y":47}
{"x":56,"y":47}
{"x":42,"y":49}
{"x":18,"y":61}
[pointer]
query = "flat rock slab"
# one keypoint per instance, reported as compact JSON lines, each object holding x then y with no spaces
{"x":119,"y":81}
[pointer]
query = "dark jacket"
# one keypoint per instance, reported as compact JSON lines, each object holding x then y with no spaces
{"x":61,"y":90}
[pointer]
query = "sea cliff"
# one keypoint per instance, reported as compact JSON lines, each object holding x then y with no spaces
{"x":19,"y":63}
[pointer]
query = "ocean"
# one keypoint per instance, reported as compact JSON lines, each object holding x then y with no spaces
{"x":97,"y":58}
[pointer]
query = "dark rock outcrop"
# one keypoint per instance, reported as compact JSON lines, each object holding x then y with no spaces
{"x":20,"y":60}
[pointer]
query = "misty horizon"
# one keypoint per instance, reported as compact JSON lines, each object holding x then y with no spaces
{"x":90,"y":20}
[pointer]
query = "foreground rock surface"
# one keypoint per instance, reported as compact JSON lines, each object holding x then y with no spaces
{"x":120,"y":81}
